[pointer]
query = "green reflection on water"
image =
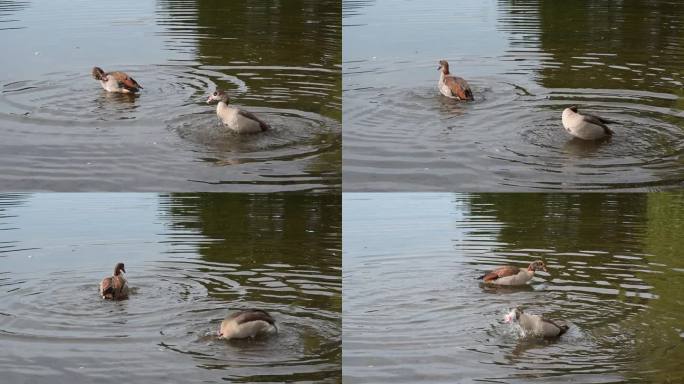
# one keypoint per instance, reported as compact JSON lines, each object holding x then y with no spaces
{"x":253,"y":230}
{"x":303,"y":39}
{"x":609,"y":44}
{"x":566,"y":222}
{"x":288,"y":54}
{"x":656,"y":343}
{"x":618,"y":224}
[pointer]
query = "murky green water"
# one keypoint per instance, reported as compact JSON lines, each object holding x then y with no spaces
{"x":62,"y":132}
{"x":415,"y":312}
{"x":526,"y":61}
{"x":190,"y":259}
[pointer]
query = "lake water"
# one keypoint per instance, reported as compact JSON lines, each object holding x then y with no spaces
{"x":526,"y":61}
{"x":190,"y":259}
{"x":62,"y":132}
{"x":415,"y":312}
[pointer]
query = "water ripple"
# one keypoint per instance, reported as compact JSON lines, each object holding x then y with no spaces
{"x":415,"y":311}
{"x":185,"y":276}
{"x":71,"y":127}
{"x":524,"y":68}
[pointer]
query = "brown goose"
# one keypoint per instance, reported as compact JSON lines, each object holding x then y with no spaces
{"x":115,"y":287}
{"x":247,"y":323}
{"x":535,"y":324}
{"x":453,"y":86}
{"x":118,"y":82}
{"x":510,"y":275}
{"x":235,"y":118}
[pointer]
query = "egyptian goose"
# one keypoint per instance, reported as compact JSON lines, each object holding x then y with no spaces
{"x":116,"y":81}
{"x":535,"y":324}
{"x":452,"y":86}
{"x":586,"y":127}
{"x":247,"y":323}
{"x":510,"y":275}
{"x":234,"y":118}
{"x":115,"y":287}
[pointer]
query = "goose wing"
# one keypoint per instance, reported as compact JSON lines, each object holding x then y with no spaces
{"x":458,"y":87}
{"x":106,"y":286}
{"x":500,"y":272}
{"x":264,"y":126}
{"x":126,"y":81}
{"x":253,"y":315}
{"x":600,"y":121}
{"x":562,"y":328}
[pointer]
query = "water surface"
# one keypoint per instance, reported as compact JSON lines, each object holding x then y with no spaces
{"x":415,"y":312}
{"x":526,"y":61}
{"x":62,"y":132}
{"x":191,"y":259}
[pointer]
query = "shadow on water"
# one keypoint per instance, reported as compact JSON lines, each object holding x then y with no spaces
{"x":504,"y":289}
{"x":581,"y":148}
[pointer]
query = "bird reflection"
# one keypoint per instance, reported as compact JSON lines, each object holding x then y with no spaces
{"x":583,"y":148}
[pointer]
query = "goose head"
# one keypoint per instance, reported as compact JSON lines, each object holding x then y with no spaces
{"x":443,"y":67}
{"x":119,"y":268}
{"x":537,"y":266}
{"x":99,"y":74}
{"x":219,"y":96}
{"x":513,"y":315}
{"x":225,"y":328}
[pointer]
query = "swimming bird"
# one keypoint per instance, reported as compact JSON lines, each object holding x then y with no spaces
{"x":235,"y":118}
{"x":247,"y":323}
{"x":586,"y":127}
{"x":115,"y":287}
{"x":452,"y":86}
{"x":510,"y":275}
{"x":116,"y":81}
{"x":535,"y":324}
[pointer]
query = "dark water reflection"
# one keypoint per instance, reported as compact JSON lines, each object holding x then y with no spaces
{"x":414,"y":311}
{"x":281,"y":61}
{"x":191,"y":259}
{"x":635,"y":45}
{"x":526,"y":61}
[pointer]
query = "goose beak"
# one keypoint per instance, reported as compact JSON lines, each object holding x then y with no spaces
{"x":209,"y":100}
{"x":508,"y":318}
